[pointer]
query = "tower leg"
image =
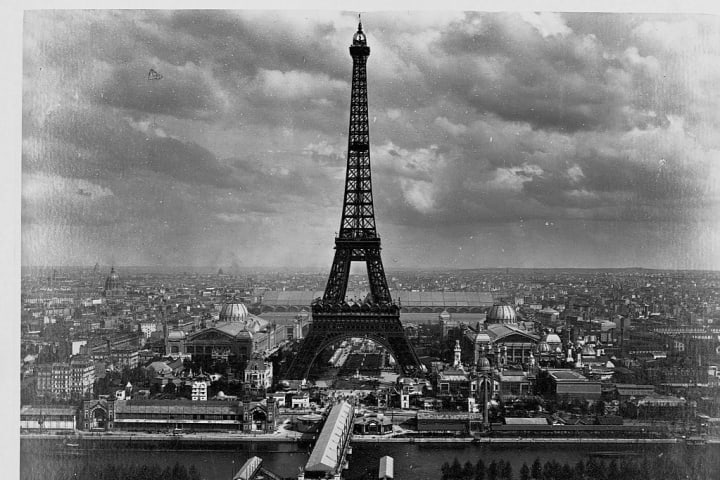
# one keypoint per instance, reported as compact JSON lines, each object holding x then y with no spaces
{"x":376,"y":277}
{"x":336,"y":288}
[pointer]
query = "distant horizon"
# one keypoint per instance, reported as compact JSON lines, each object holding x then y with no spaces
{"x":227,"y":269}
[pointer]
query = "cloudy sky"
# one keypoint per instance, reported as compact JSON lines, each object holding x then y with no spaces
{"x":498,"y":139}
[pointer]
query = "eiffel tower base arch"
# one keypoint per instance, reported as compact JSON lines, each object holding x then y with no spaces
{"x":380,"y":324}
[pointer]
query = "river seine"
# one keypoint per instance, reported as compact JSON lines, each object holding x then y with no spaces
{"x":416,"y":461}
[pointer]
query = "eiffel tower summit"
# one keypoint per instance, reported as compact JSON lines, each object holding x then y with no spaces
{"x":377,"y":317}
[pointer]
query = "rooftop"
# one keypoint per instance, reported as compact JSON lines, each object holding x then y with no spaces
{"x":448,"y":416}
{"x":526,"y":421}
{"x":324,"y":457}
{"x":42,"y":410}
{"x":567,"y":375}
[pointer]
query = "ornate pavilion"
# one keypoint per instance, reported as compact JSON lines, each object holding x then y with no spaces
{"x":235,"y":336}
{"x":501,"y":337}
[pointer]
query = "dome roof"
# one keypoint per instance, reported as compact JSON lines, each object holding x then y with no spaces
{"x":483,"y":364}
{"x":444,"y":315}
{"x":501,"y":314}
{"x":233,"y":312}
{"x":112,"y":282}
{"x":359,"y":37}
{"x":176,"y":335}
{"x":160,"y":368}
{"x":552,"y":338}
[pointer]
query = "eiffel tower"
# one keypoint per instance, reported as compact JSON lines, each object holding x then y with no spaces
{"x":377,"y":317}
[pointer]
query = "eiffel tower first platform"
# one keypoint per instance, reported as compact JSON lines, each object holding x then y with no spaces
{"x":377,"y":317}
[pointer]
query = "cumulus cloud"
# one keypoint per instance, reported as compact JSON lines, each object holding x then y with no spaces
{"x":547,"y":23}
{"x":297,"y":85}
{"x":496,"y":138}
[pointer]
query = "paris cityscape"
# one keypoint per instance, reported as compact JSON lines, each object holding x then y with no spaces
{"x":506,"y":265}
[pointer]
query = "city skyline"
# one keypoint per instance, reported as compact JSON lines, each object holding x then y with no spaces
{"x":497,"y":140}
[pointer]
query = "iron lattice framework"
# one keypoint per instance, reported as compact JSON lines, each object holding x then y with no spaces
{"x":377,"y":318}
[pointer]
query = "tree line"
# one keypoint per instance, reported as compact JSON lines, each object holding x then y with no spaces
{"x":113,"y":471}
{"x":699,"y":465}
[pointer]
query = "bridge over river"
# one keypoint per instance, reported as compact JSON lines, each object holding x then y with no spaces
{"x":329,"y":457}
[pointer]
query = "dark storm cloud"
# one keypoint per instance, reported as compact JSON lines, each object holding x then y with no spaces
{"x":87,"y":143}
{"x":560,"y":82}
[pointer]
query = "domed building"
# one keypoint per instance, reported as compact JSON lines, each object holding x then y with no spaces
{"x":113,"y":288}
{"x":553,"y":341}
{"x":175,"y":342}
{"x":502,"y":314}
{"x":483,"y":365}
{"x":550,"y":349}
{"x":233,"y":312}
{"x":234,"y":337}
{"x":504,"y":340}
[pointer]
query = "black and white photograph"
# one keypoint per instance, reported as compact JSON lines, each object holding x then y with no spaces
{"x":373,"y":241}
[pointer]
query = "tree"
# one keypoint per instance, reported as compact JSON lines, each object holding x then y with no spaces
{"x":506,"y":471}
{"x":185,"y":391}
{"x":371,"y":400}
{"x":455,"y":470}
{"x":445,"y":469}
{"x":524,"y":472}
{"x":170,"y":388}
{"x":492,"y":471}
{"x":136,"y":376}
{"x":547,"y":472}
{"x":154,"y":388}
{"x":593,"y":469}
{"x":536,"y":469}
{"x":468,"y":471}
{"x":480,"y":470}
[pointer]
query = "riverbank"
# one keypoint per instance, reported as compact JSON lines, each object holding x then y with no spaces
{"x":295,"y":438}
{"x":419,"y":461}
{"x":129,"y":437}
{"x":514,"y":441}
